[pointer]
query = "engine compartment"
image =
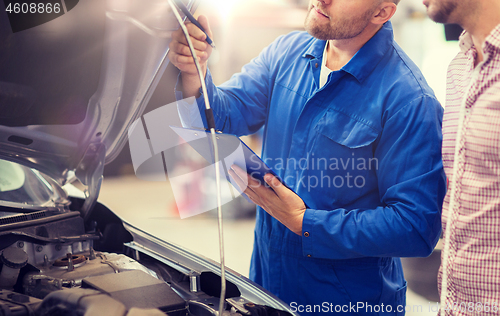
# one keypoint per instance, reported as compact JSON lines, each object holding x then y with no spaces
{"x":60,"y":264}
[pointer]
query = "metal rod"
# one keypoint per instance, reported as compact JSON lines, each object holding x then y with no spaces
{"x":216,"y":159}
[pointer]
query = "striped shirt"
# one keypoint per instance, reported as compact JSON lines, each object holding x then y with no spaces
{"x":471,"y":209}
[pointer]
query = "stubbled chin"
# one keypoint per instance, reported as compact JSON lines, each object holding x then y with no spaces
{"x":434,"y":15}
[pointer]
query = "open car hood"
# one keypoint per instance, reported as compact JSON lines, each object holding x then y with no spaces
{"x":71,"y":87}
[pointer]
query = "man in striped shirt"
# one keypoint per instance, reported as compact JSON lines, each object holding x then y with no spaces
{"x":469,"y":277}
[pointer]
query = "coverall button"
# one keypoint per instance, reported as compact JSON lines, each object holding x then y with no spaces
{"x":306,"y":234}
{"x":309,"y":256}
{"x":316,"y":65}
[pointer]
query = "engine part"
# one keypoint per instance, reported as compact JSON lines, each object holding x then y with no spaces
{"x":64,"y":262}
{"x":90,"y":301}
{"x":194,"y":282}
{"x":140,"y":290}
{"x":12,"y":303}
{"x":238,"y":304}
{"x":56,"y":276}
{"x":13,"y":260}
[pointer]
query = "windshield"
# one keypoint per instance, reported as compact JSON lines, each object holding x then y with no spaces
{"x":22,"y":187}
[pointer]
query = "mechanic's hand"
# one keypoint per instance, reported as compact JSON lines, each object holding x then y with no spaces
{"x":280,"y":202}
{"x":180,"y":55}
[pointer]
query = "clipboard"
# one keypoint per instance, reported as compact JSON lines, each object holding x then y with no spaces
{"x":232,"y":150}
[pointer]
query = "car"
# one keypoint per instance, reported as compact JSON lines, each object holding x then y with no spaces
{"x":72,"y":83}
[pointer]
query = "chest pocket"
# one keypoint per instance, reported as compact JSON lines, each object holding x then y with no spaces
{"x":347,"y":145}
{"x":345,"y":130}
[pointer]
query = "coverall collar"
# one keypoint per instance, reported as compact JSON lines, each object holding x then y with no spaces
{"x":366,"y":59}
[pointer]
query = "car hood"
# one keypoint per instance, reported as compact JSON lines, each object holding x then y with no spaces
{"x":70,"y":88}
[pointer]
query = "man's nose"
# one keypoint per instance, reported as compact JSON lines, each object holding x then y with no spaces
{"x":325,"y":2}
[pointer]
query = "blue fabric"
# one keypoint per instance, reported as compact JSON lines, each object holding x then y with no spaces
{"x":363,"y":152}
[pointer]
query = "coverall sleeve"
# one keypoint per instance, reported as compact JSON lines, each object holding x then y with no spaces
{"x":240,"y":104}
{"x":411,"y":184}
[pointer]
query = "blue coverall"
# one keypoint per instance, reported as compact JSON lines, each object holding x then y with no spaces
{"x":363,"y":152}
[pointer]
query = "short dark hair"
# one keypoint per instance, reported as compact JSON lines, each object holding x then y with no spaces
{"x":394,"y":1}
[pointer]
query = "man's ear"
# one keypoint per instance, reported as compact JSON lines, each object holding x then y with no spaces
{"x":384,"y":12}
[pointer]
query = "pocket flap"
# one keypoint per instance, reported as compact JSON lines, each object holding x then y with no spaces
{"x":346,"y":130}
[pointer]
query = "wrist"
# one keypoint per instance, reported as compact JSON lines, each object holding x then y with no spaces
{"x":190,"y":84}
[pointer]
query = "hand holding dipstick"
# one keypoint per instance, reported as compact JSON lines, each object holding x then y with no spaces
{"x":191,"y":18}
{"x":180,"y":54}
